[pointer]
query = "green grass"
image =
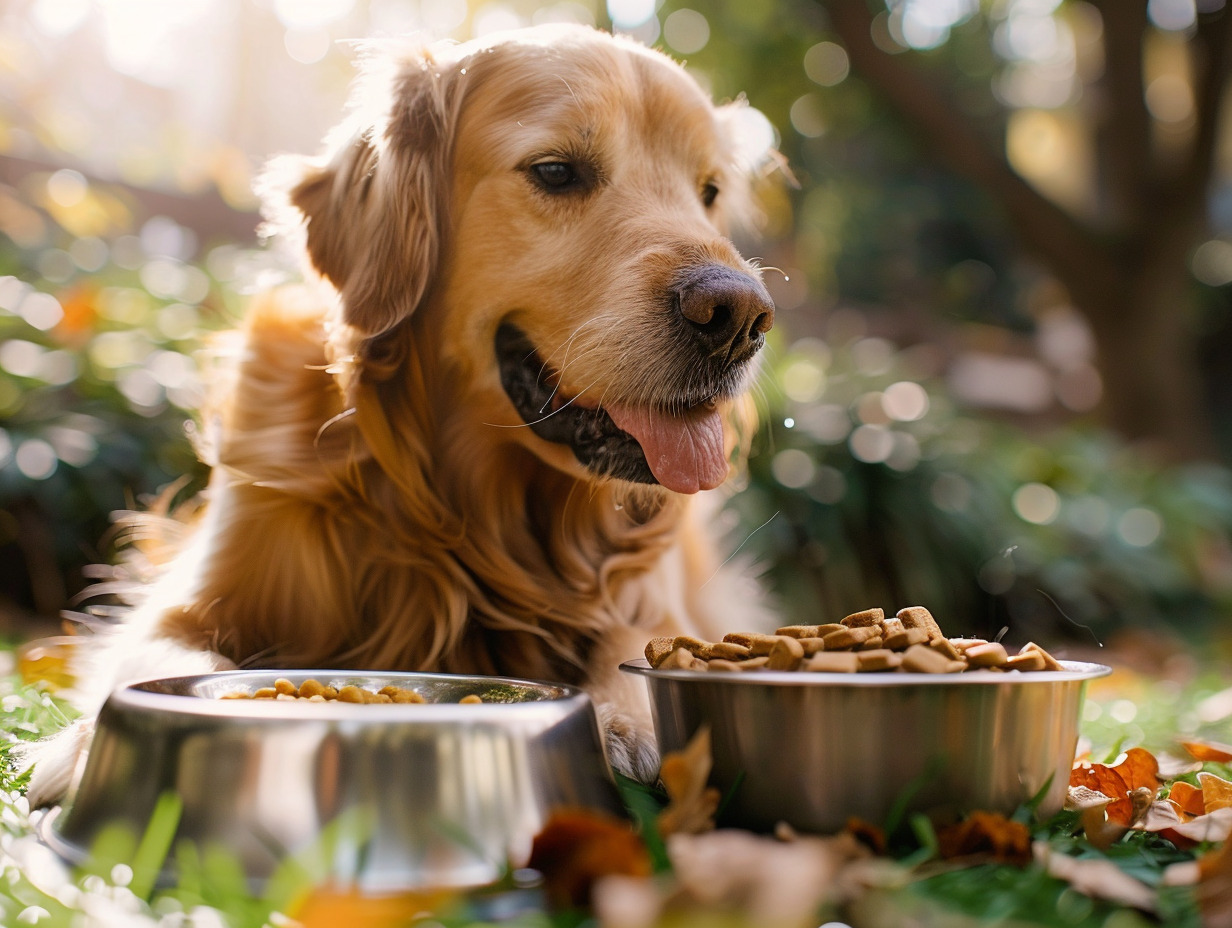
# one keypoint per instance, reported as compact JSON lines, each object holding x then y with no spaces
{"x":120,"y":886}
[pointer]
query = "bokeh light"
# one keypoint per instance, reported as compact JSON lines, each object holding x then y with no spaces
{"x":1140,"y":527}
{"x":905,"y":401}
{"x":793,"y":468}
{"x":1037,"y":503}
{"x":628,"y":14}
{"x":827,"y":64}
{"x":1212,"y":263}
{"x":686,"y":31}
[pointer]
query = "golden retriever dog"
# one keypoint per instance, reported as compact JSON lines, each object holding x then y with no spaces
{"x":474,"y":443}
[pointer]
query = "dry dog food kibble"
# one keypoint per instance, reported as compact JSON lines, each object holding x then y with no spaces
{"x":316,"y":691}
{"x":864,"y":642}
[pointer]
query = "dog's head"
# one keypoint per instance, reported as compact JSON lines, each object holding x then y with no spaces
{"x":551,"y":212}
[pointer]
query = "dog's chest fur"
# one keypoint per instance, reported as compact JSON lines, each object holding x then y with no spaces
{"x":355,"y":524}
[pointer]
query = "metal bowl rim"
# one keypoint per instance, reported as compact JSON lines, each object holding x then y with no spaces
{"x":1074,"y":671}
{"x":134,"y":696}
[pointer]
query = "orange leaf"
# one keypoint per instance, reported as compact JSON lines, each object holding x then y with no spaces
{"x":870,"y":835}
{"x":1204,"y":829}
{"x":329,"y":905}
{"x":692,"y":804}
{"x":1188,"y":798}
{"x":1208,"y":751}
{"x":1216,"y":792}
{"x":987,"y":833}
{"x":577,"y":847}
{"x":1214,"y":890}
{"x":1139,"y":770}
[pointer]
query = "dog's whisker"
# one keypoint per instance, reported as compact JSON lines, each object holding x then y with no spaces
{"x":719,"y":569}
{"x":567,"y":346}
{"x":521,"y":425}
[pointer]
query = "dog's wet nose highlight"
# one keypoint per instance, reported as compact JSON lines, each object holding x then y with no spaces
{"x":727,"y":309}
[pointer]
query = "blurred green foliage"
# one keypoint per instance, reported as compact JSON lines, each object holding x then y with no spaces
{"x":99,"y":348}
{"x":868,"y":487}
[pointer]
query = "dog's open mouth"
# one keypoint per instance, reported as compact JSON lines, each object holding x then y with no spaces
{"x":684,"y":451}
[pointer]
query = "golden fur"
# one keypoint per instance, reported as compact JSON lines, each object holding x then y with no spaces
{"x":376,"y":501}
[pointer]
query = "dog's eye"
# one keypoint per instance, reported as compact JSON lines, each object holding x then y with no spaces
{"x":556,"y":175}
{"x":709,"y":192}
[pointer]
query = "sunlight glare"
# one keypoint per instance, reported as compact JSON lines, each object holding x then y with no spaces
{"x":755,"y":136}
{"x":141,"y":36}
{"x":310,"y":14}
{"x":59,"y":17}
{"x":627,"y":14}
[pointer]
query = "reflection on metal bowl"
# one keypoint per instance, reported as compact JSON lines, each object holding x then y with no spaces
{"x":438,"y":794}
{"x":814,"y":749}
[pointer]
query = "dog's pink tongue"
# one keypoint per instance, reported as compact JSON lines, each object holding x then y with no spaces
{"x":685,"y":451}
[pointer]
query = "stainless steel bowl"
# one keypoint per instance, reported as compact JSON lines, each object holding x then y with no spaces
{"x":813,"y":749}
{"x":437,"y":795}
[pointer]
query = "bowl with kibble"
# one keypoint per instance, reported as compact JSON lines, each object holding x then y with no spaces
{"x":386,"y":782}
{"x":873,"y":718}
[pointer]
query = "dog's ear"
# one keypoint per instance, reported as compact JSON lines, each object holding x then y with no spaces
{"x":371,"y":210}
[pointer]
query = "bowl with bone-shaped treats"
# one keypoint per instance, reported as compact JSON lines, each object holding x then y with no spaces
{"x":869,"y":718}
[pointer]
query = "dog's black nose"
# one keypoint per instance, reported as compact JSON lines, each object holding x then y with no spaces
{"x":728,"y":310}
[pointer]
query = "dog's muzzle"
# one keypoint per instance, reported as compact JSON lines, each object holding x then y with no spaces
{"x":716,"y":322}
{"x":594,"y":437}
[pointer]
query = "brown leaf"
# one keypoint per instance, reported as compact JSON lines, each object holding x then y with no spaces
{"x":731,"y":877}
{"x":1138,"y":771}
{"x":1210,"y":828}
{"x":1158,"y":817}
{"x":1187,"y":798}
{"x":1097,"y":877}
{"x":1079,"y":798}
{"x":871,"y":836}
{"x":1099,"y":831}
{"x":1171,"y":766}
{"x":1216,"y":791}
{"x":1214,"y":889}
{"x":986,"y":833}
{"x":1208,"y":751}
{"x":691,"y":803}
{"x":577,"y":847}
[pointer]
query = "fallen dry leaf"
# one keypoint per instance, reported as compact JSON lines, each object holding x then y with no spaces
{"x":1157,"y":816}
{"x":1208,"y":751}
{"x":1138,"y":771}
{"x":1216,"y":791}
{"x":1095,"y":877}
{"x":871,"y":836}
{"x":1187,"y":798}
{"x":578,"y":847}
{"x":1078,"y":798}
{"x":1210,"y":828}
{"x":329,"y":906}
{"x":771,"y":884}
{"x":691,"y":803}
{"x":1099,"y":831}
{"x":1171,"y":766}
{"x":986,"y":834}
{"x":1214,"y":890}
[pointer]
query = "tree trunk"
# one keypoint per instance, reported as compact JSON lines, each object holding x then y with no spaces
{"x":1129,"y":277}
{"x":1148,"y":360}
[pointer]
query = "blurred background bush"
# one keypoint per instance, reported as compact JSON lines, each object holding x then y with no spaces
{"x":998,"y":384}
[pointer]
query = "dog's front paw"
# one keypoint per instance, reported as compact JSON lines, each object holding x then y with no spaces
{"x":55,"y":761}
{"x":630,"y":748}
